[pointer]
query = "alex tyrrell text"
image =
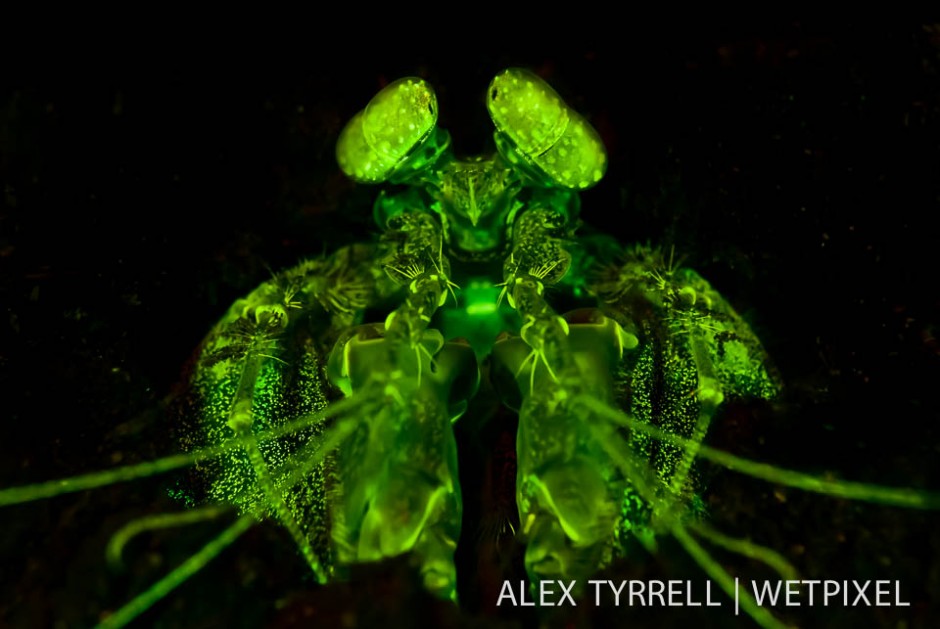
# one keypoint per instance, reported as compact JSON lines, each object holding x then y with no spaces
{"x":599,"y":592}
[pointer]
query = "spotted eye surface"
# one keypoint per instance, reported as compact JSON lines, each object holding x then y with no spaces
{"x":384,"y":134}
{"x":545,"y":131}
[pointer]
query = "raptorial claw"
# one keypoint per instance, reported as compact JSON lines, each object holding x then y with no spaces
{"x":399,"y":476}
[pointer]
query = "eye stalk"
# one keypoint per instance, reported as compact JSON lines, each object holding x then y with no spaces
{"x":394,"y":136}
{"x":542,"y":136}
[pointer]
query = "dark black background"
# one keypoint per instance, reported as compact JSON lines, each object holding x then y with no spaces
{"x":797,"y":167}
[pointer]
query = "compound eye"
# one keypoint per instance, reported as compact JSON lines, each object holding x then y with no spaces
{"x":544,"y":130}
{"x":384,"y":134}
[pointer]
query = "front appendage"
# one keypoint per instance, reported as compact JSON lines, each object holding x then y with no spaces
{"x":668,"y":350}
{"x":399,"y":491}
{"x":568,"y":487}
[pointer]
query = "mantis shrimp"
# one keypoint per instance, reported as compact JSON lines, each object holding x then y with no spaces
{"x":305,"y":410}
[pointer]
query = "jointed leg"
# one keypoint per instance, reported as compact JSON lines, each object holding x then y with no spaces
{"x":399,"y":485}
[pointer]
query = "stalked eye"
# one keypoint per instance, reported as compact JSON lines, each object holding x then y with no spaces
{"x":545,"y":131}
{"x":384,"y":134}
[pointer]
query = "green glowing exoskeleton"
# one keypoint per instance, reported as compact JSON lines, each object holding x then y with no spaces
{"x":339,"y":429}
{"x":662,"y":344}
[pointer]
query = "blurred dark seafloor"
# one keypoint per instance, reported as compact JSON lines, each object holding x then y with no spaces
{"x":796,"y":167}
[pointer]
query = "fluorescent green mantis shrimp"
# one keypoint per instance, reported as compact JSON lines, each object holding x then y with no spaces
{"x":305,"y":410}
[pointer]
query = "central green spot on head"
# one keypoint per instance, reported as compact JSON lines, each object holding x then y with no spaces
{"x":479,"y":317}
